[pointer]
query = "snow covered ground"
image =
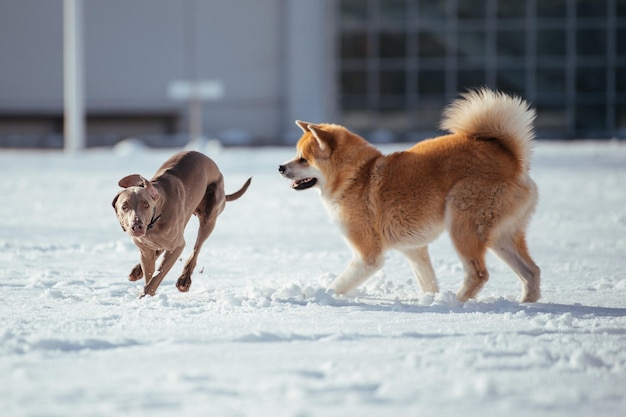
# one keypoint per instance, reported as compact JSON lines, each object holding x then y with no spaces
{"x":258,"y":336}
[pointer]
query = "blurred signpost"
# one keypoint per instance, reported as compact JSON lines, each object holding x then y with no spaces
{"x":195,"y":92}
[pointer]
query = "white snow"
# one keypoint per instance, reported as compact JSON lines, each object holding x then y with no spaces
{"x":257,"y":335}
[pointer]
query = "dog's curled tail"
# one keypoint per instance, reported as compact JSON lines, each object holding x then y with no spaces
{"x":237,"y":194}
{"x":484,"y":113}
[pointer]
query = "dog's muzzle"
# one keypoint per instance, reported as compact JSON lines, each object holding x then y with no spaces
{"x":297,"y":184}
{"x":137,"y":230}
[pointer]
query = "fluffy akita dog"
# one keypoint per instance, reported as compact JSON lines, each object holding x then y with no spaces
{"x":473,"y":182}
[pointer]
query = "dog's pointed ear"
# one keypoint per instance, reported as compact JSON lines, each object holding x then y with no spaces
{"x":324,"y":139}
{"x":134,"y":180}
{"x":303,"y":125}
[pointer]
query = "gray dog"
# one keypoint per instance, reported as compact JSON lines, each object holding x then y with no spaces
{"x":155,"y":212}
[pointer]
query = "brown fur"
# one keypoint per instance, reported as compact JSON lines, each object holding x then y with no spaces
{"x":155,"y":213}
{"x":474,"y":183}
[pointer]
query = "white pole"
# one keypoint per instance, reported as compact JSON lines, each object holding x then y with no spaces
{"x":74,"y":107}
{"x":195,"y":101}
{"x":195,"y":116}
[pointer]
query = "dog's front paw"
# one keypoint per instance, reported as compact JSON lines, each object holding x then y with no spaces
{"x":136,"y":273}
{"x":147,"y":291}
{"x":183,"y":283}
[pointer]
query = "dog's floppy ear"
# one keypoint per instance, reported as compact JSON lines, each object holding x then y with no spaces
{"x":303,"y":125}
{"x":114,"y":204}
{"x":134,"y":180}
{"x":324,"y":139}
{"x":115,"y":201}
{"x":154,"y":193}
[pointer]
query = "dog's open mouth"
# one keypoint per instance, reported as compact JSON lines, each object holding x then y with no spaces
{"x":303,"y":184}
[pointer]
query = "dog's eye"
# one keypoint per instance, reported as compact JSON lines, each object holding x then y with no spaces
{"x":125,"y":207}
{"x":302,"y":161}
{"x":146,"y":204}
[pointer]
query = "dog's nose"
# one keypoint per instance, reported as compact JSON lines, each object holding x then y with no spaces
{"x":281,"y":169}
{"x":137,"y":227}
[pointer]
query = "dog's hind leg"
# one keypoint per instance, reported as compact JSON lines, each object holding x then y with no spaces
{"x":476,"y":274}
{"x":420,"y":263}
{"x":512,"y":249}
{"x":207,"y":211}
{"x":510,"y":243}
{"x":471,"y":247}
{"x":206,"y":228}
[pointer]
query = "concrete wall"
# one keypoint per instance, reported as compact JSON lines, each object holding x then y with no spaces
{"x":133,"y":49}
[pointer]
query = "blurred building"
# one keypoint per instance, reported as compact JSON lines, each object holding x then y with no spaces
{"x":384,"y":68}
{"x":402,"y":60}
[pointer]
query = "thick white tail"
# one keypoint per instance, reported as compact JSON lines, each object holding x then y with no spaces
{"x":485,"y":113}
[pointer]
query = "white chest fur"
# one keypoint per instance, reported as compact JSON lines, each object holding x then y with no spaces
{"x":334,"y":211}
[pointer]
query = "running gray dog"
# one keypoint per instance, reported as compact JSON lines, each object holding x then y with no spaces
{"x":155,"y":213}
